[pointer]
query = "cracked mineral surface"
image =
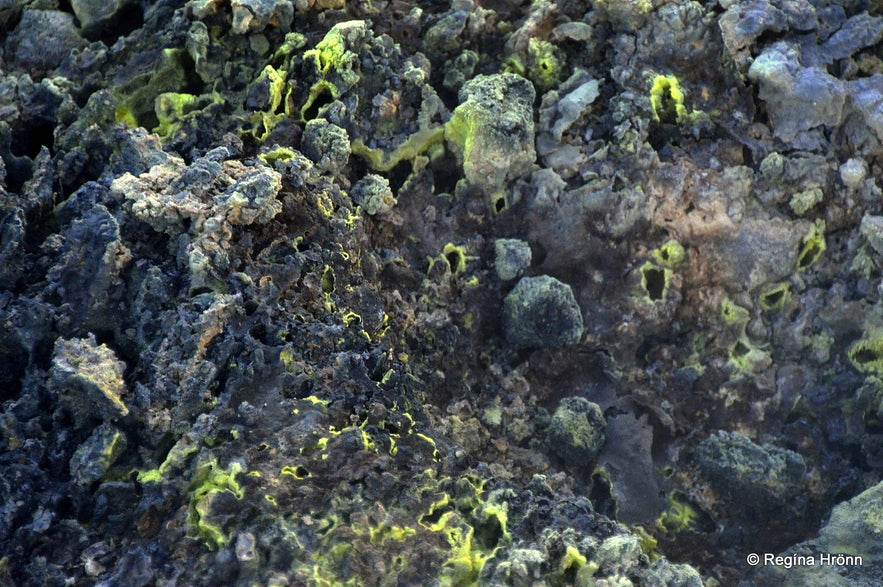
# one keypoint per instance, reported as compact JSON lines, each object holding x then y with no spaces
{"x":441,"y":293}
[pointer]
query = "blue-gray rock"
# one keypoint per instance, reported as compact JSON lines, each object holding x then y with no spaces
{"x":872,"y":229}
{"x":854,"y":172}
{"x":492,"y":130}
{"x":860,"y":31}
{"x":373,"y":194}
{"x":867,"y":98}
{"x":89,"y":379}
{"x":42,"y":40}
{"x":797,"y":99}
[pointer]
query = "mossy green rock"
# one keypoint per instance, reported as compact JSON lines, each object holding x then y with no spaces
{"x":541,"y":312}
{"x":93,"y":458}
{"x":852,"y":533}
{"x":856,"y":527}
{"x":89,"y":378}
{"x":373,"y":194}
{"x":326,"y":144}
{"x":576,"y":433}
{"x":762,"y":478}
{"x":492,"y":130}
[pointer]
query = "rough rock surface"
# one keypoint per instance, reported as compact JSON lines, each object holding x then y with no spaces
{"x":541,"y":312}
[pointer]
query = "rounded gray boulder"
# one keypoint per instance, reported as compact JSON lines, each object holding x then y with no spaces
{"x":577,"y":431}
{"x":541,"y":312}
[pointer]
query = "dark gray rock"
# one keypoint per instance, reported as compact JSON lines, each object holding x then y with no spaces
{"x":9,"y":11}
{"x":854,"y":172}
{"x":42,"y":40}
{"x":88,"y":275}
{"x":133,"y":570}
{"x":541,"y":312}
{"x":872,"y":230}
{"x":93,"y":458}
{"x":761,"y":479}
{"x":95,"y":15}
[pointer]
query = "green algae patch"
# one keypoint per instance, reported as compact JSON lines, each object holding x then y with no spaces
{"x":667,"y":99}
{"x":138,"y":96}
{"x":572,"y":561}
{"x":321,"y":92}
{"x":414,"y":145}
{"x":461,"y":527}
{"x":746,"y":358}
{"x":545,"y":64}
{"x":264,"y":122}
{"x":327,"y":280}
{"x":331,"y":52}
{"x":177,"y":457}
{"x":297,"y":472}
{"x":802,"y":202}
{"x":866,"y":355}
{"x":172,"y":109}
{"x":475,"y":529}
{"x":812,"y":246}
{"x":648,"y":542}
{"x":776,"y":297}
{"x":281,"y":154}
{"x":670,"y":254}
{"x":466,"y":561}
{"x":289,"y":47}
{"x":734,"y":315}
{"x":210,"y":482}
{"x":334,"y":64}
{"x":668,"y":107}
{"x":456,"y":258}
{"x":680,"y":515}
{"x":450,"y":262}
